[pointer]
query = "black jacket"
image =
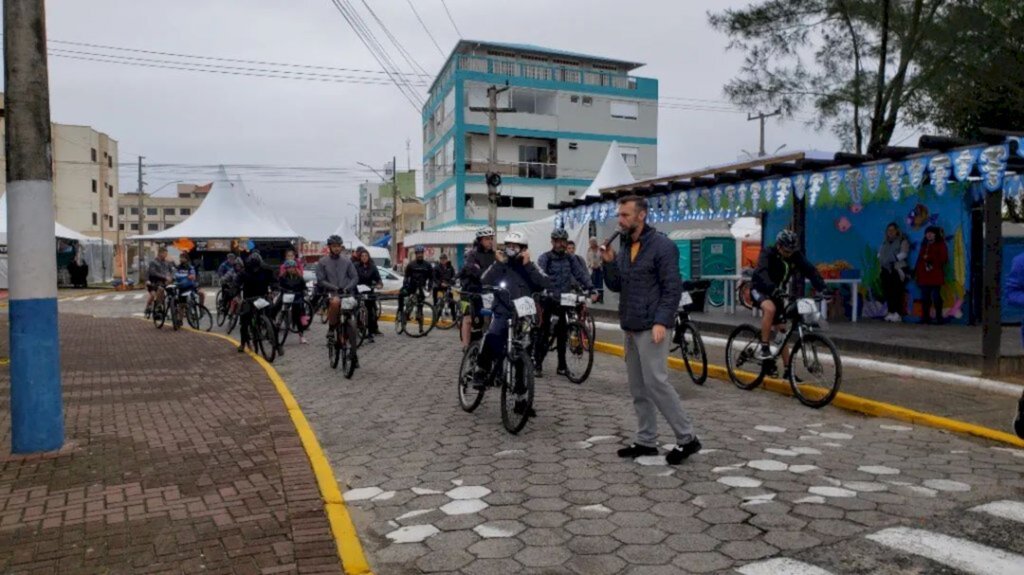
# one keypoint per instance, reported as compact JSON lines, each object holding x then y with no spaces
{"x":257,"y":280}
{"x":369,"y":275}
{"x":520,"y":281}
{"x":649,"y":287}
{"x":444,"y":274}
{"x":292,"y":284}
{"x":774,"y":272}
{"x":477,"y":262}
{"x":418,"y":274}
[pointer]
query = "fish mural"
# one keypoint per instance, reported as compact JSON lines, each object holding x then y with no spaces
{"x":843,"y":224}
{"x":856,"y":208}
{"x":919,"y":217}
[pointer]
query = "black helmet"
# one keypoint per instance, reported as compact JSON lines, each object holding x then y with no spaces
{"x":334,"y":239}
{"x":559,"y":234}
{"x":787,"y":239}
{"x":419,"y":249}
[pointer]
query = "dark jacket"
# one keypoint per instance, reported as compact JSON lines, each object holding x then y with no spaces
{"x":444,"y":274}
{"x":774,"y":272}
{"x":292,"y":284}
{"x":336,"y":274}
{"x":565,"y":270}
{"x":418,"y":274}
{"x":369,"y":275}
{"x":477,"y":262}
{"x":256,"y":280}
{"x":520,"y":281}
{"x":650,"y":287}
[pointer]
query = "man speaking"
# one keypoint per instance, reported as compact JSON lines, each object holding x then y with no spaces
{"x":646,"y":277}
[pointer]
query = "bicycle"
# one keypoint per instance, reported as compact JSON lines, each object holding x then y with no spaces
{"x":197,"y":314}
{"x":367,"y":295}
{"x":416,"y":306}
{"x":514,"y":374}
{"x":580,"y":336}
{"x":262,"y":333}
{"x":447,"y":311}
{"x":813,"y":352}
{"x":467,"y":308}
{"x":166,"y":304}
{"x":284,"y":321}
{"x":318,"y":302}
{"x":687,"y":337}
{"x":341,"y":339}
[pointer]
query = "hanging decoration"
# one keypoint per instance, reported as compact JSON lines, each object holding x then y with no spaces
{"x":992,"y":166}
{"x":872,"y":178}
{"x":716,"y":198}
{"x":783,"y":188}
{"x":853,"y":185}
{"x":741,"y":198}
{"x":835,"y":179}
{"x":1012,"y":185}
{"x":915,"y":171}
{"x":755,"y":196}
{"x":894,"y":180}
{"x":964,"y":161}
{"x":939,"y":168}
{"x":816,"y":183}
{"x":799,"y":186}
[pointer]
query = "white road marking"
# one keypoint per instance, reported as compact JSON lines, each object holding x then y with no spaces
{"x":139,"y":296}
{"x":781,"y":566}
{"x":946,"y":485}
{"x":362,"y":493}
{"x":119,"y":297}
{"x":81,"y":298}
{"x":953,"y":552}
{"x":100,"y":298}
{"x":413,"y":533}
{"x":1012,"y":510}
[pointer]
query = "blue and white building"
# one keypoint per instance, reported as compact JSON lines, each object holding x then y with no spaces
{"x":569,"y":109}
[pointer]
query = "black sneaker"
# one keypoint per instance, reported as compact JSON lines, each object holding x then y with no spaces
{"x":766,"y":353}
{"x":241,"y":348}
{"x":681,"y":452}
{"x":355,"y":362}
{"x":538,"y":371}
{"x":634,"y":451}
{"x":562,"y":370}
{"x":1018,"y":422}
{"x":786,"y":374}
{"x":479,"y":379}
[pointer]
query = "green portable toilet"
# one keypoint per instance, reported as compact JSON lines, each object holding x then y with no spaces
{"x":717,"y":257}
{"x":689,"y":239}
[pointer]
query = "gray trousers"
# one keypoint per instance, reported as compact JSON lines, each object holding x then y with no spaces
{"x":646,"y":366}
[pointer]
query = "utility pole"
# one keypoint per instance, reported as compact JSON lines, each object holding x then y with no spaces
{"x":142,"y":270}
{"x":761,"y":117}
{"x":37,"y":418}
{"x":394,"y":210}
{"x":493,"y":177}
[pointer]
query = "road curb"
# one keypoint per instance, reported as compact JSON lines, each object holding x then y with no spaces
{"x":350,"y":550}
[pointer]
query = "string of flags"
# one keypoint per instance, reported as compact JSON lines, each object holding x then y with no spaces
{"x":875,"y":181}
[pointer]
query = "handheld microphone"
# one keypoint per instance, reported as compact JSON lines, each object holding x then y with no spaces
{"x":609,"y":241}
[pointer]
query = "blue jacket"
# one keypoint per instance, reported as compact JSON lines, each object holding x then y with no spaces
{"x":520,"y":281}
{"x":649,"y":287}
{"x":563,"y":270}
{"x":1015,"y":287}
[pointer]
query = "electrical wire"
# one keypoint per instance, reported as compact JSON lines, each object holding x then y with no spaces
{"x":394,"y":41}
{"x":425,"y":28}
{"x":450,"y":19}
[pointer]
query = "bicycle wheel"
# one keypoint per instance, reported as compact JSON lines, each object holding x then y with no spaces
{"x":815,"y":370}
{"x":282,"y":323}
{"x":174,"y":311}
{"x":579,"y":353}
{"x":745,"y":370}
{"x":159,"y":314}
{"x":419,"y":324}
{"x":348,"y":353}
{"x":265,"y":338}
{"x":221,"y":304}
{"x":591,"y":327}
{"x":192,"y":314}
{"x":232,"y":320}
{"x":205,"y":319}
{"x":322,"y":309}
{"x":691,"y":347}
{"x":744,"y":296}
{"x":715,"y":296}
{"x":517,"y":403}
{"x":469,"y":398}
{"x":445,"y":318}
{"x":400,"y":321}
{"x":333,"y":349}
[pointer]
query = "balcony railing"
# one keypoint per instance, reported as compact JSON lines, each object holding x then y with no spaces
{"x":551,"y":73}
{"x":533,"y":170}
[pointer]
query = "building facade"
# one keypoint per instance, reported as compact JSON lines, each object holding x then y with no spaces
{"x":375,"y":212}
{"x":158,"y":214}
{"x":568,"y":109}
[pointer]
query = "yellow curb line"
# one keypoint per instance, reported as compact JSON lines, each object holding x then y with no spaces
{"x":350,"y":550}
{"x":853,"y":403}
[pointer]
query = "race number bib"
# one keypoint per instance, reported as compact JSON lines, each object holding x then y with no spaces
{"x":525,"y":307}
{"x":260,"y":303}
{"x":288,"y":298}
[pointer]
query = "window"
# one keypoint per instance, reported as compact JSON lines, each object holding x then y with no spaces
{"x":94,"y":219}
{"x":185,"y":211}
{"x":533,"y":102}
{"x":522,"y":202}
{"x":151,"y":211}
{"x":110,"y":221}
{"x":94,"y":186}
{"x":168,"y":211}
{"x":625,"y":110}
{"x":533,"y":162}
{"x":135,"y":211}
{"x":588,"y":101}
{"x":630,"y":155}
{"x":574,"y":99}
{"x":110,"y":161}
{"x":120,"y":227}
{"x":153,"y":227}
{"x":135,"y":227}
{"x":110,"y":190}
{"x":93,"y":154}
{"x":574,"y":145}
{"x":120,"y":211}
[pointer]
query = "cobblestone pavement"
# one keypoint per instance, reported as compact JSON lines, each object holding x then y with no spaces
{"x":434,"y":489}
{"x":180,"y":458}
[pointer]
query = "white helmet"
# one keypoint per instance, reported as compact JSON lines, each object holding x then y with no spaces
{"x":484,"y":232}
{"x":516,"y":238}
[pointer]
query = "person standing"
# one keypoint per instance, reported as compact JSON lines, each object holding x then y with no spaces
{"x":596,"y":269}
{"x":892,"y":258}
{"x":646,"y":276}
{"x":444,"y":277}
{"x":1015,"y":297}
{"x":930,"y":273}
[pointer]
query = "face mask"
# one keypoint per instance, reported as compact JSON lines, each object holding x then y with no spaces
{"x":512,"y":252}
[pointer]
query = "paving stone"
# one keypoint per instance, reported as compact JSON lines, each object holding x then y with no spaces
{"x":703,"y":562}
{"x":595,"y":564}
{"x":496,"y":548}
{"x":444,"y":560}
{"x":747,"y":550}
{"x":596,"y":545}
{"x":543,"y":556}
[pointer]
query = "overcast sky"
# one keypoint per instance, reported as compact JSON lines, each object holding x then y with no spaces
{"x":185,"y":117}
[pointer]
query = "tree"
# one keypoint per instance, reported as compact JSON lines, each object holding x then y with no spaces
{"x":858,"y":62}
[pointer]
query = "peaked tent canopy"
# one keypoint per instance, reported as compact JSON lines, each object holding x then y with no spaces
{"x":613,"y":172}
{"x":229,"y":211}
{"x":59,"y":231}
{"x":349,"y":238}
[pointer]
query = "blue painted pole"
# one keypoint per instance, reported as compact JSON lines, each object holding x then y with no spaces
{"x":37,"y":419}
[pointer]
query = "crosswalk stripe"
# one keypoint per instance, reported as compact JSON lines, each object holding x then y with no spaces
{"x":781,"y":566}
{"x":119,"y":297}
{"x":81,"y":298}
{"x":953,"y":552}
{"x":100,"y":297}
{"x":139,"y":296}
{"x":1012,"y":510}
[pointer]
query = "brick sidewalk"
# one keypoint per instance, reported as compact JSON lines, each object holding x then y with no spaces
{"x":180,"y":458}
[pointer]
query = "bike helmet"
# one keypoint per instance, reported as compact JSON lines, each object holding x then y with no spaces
{"x":419,"y":249}
{"x":517,"y":238}
{"x":787,"y":239}
{"x":484,"y":232}
{"x":559,"y":234}
{"x":334,"y":239}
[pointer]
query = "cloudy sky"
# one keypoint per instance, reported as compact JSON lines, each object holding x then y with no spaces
{"x":191,"y":121}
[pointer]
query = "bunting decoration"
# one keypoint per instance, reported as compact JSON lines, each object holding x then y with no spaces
{"x":755,"y":196}
{"x":800,"y":186}
{"x":872,"y":177}
{"x":964,"y":161}
{"x":915,"y":171}
{"x":853,"y":184}
{"x":816,"y":182}
{"x":992,"y":166}
{"x":783,"y":188}
{"x":835,"y":178}
{"x":1012,"y":185}
{"x":741,"y":198}
{"x":939,"y":167}
{"x":894,"y":180}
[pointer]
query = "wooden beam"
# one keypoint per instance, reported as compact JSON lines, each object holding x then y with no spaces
{"x":757,"y":163}
{"x":992,"y":327}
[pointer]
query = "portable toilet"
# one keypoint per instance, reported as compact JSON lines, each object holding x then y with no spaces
{"x":689,"y":239}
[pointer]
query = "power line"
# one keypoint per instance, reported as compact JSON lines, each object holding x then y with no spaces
{"x":450,"y":19}
{"x":387,"y":32}
{"x":425,"y":29}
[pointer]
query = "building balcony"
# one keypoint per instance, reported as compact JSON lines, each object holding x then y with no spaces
{"x":544,"y":72}
{"x":531,"y":170}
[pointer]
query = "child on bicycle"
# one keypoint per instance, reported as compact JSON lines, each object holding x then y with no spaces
{"x":293,"y":283}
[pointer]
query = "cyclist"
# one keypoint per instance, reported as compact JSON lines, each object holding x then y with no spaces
{"x":444,"y":276}
{"x":230,"y":284}
{"x":158,"y":274}
{"x":256,"y":281}
{"x":184,"y":277}
{"x":565,"y":270}
{"x":521,"y":278}
{"x":336,"y":275}
{"x":369,"y":276}
{"x":419,"y":275}
{"x":478,"y":260}
{"x":227,"y":265}
{"x":293,"y":283}
{"x":772,"y":280}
